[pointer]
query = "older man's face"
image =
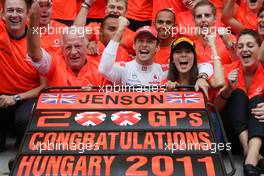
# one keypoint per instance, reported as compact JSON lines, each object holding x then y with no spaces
{"x":74,"y":50}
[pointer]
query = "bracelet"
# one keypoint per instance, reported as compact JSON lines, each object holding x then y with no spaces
{"x":88,"y":5}
{"x":224,"y":98}
{"x":215,"y":58}
{"x":202,"y":76}
{"x":85,"y":6}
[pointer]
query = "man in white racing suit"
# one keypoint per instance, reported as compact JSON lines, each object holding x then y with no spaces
{"x":142,"y":70}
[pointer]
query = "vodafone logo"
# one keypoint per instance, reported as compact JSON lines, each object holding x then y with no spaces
{"x":125,"y":118}
{"x":90,"y":118}
{"x":259,"y":90}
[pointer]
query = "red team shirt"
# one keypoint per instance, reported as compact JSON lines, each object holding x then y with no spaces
{"x":257,"y":85}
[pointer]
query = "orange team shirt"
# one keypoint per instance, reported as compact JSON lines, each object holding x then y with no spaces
{"x":140,"y":10}
{"x":61,"y":75}
{"x":17,"y":74}
{"x":65,"y":10}
{"x":257,"y":85}
{"x":186,"y":24}
{"x":161,"y":4}
{"x":122,"y":54}
{"x":162,"y":57}
{"x":97,"y":9}
{"x":204,"y":53}
{"x":51,"y":40}
{"x":245,"y":17}
{"x":127,"y":37}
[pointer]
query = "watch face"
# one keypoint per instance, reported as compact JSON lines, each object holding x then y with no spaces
{"x":17,"y":97}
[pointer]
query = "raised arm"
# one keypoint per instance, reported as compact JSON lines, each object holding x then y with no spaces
{"x":217,"y":81}
{"x":107,"y":65}
{"x":228,"y":17}
{"x":33,"y":37}
{"x":80,"y":20}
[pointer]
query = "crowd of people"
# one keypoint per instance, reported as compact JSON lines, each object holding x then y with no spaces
{"x":215,"y":45}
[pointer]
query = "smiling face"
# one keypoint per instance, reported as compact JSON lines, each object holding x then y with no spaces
{"x":247,"y":50}
{"x":189,"y":4}
{"x":45,"y":12}
{"x":204,"y":18}
{"x":15,"y":15}
{"x":145,"y":45}
{"x":183,"y":58}
{"x":164,"y":22}
{"x":254,"y":5}
{"x":74,"y":50}
{"x":261,"y":23}
{"x":116,"y":7}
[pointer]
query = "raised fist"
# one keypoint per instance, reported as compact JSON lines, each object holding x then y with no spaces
{"x":233,"y":77}
{"x":123,"y":22}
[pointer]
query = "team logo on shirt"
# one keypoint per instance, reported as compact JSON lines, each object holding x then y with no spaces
{"x":155,"y":77}
{"x":134,"y":76}
{"x":90,"y":118}
{"x":125,"y":118}
{"x":56,"y":43}
{"x":259,"y":90}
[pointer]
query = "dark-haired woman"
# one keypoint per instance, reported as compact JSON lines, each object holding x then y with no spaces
{"x":183,"y":68}
{"x":242,"y":92}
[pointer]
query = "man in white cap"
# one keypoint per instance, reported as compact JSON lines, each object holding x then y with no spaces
{"x":142,"y":70}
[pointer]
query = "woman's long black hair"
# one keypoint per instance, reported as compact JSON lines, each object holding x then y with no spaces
{"x":173,"y":74}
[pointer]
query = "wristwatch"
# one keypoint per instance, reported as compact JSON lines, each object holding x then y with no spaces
{"x":203,"y":76}
{"x":17,"y":98}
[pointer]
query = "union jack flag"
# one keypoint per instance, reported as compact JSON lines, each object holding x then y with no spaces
{"x":176,"y":98}
{"x":58,"y":98}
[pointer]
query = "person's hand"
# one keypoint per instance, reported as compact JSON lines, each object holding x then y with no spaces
{"x":233,"y":78}
{"x":122,"y":22}
{"x":34,"y":14}
{"x":259,"y":112}
{"x":202,"y":84}
{"x":211,"y":39}
{"x":6,"y":101}
{"x":172,"y":85}
{"x":93,"y":49}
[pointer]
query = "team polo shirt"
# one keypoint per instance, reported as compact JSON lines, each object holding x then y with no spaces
{"x":186,"y":25}
{"x":204,"y":53}
{"x":127,"y":37}
{"x":17,"y":75}
{"x":65,"y":10}
{"x":60,"y":74}
{"x":162,"y":57}
{"x":122,"y":54}
{"x":51,"y":39}
{"x":161,"y":4}
{"x":257,"y":84}
{"x":140,"y":10}
{"x":244,"y":16}
{"x":97,"y":9}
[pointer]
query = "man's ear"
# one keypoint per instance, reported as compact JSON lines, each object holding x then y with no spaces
{"x":134,"y":46}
